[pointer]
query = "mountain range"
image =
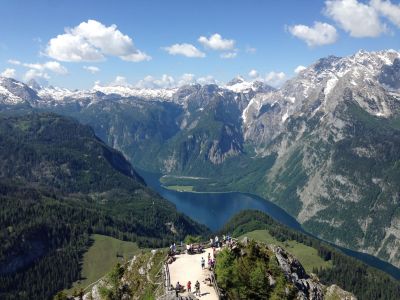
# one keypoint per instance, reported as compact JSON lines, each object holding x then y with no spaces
{"x":325,"y":146}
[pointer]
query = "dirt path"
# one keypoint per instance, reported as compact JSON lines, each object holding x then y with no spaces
{"x":188,"y":267}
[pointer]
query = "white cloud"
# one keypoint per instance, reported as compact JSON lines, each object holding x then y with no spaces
{"x":168,"y":81}
{"x":91,"y":69}
{"x":227,"y":55}
{"x":151,"y":82}
{"x":119,"y":81}
{"x":206,"y":80}
{"x":92,"y":41}
{"x":9,"y":72}
{"x":357,"y":18}
{"x":387,"y":9}
{"x":253,"y":73}
{"x":187,"y":78}
{"x":187,"y":50}
{"x":136,"y":57}
{"x":14,"y":62}
{"x":36,"y":74}
{"x":216,"y":42}
{"x":53,"y":66}
{"x":318,"y":35}
{"x":275,"y":79}
{"x":299,"y":69}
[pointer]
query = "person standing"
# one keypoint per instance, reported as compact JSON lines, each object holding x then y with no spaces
{"x":189,"y":287}
{"x":177,"y":289}
{"x":197,"y":286}
{"x":203,"y":263}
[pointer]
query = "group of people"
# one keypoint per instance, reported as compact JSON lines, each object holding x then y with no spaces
{"x":192,"y":249}
{"x":211,"y":262}
{"x":217,"y":243}
{"x":179,"y":287}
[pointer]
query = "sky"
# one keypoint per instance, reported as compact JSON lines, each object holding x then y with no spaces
{"x":148,"y":43}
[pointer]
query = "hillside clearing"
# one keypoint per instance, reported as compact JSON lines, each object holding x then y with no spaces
{"x":101,"y":257}
{"x":307,"y":256}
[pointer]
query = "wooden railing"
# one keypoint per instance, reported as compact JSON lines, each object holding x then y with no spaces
{"x":167,"y":277}
{"x":215,"y":285}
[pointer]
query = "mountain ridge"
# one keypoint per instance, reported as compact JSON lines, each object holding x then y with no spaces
{"x":323,"y":146}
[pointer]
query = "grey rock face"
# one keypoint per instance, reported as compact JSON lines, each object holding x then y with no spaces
{"x":309,"y":289}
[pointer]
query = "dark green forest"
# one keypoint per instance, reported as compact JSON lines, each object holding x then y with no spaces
{"x":59,"y":184}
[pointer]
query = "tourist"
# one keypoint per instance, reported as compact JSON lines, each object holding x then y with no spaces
{"x":177,"y":288}
{"x":189,"y":286}
{"x":197,"y":286}
{"x":216,"y":241}
{"x":203,"y":263}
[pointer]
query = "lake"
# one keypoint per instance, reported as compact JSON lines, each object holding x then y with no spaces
{"x":215,"y":209}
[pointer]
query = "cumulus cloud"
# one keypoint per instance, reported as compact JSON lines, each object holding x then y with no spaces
{"x":299,"y":69}
{"x":151,"y":82}
{"x":9,"y":72}
{"x":187,"y":78}
{"x":206,"y":80}
{"x":184,"y":49}
{"x":119,"y":81}
{"x":227,"y":55}
{"x":14,"y":62}
{"x":36,"y":74}
{"x":318,"y":35}
{"x":216,"y":42}
{"x":93,"y":41}
{"x":275,"y":79}
{"x":53,"y":66}
{"x":138,"y":56}
{"x":253,"y":73}
{"x":357,"y":18}
{"x":168,"y":81}
{"x":91,"y":69}
{"x":387,"y":9}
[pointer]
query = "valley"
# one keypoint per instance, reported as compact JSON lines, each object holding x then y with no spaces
{"x":187,"y":150}
{"x":324,"y":147}
{"x":319,"y":154}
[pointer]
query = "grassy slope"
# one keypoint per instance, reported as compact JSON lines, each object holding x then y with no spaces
{"x":308,"y":256}
{"x":101,"y":257}
{"x":180,"y":188}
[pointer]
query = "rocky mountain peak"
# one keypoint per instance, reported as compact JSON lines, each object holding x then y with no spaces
{"x":34,"y":85}
{"x":13,"y":92}
{"x":236,"y":80}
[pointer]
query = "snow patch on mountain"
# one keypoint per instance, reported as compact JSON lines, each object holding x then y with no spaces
{"x":9,"y":98}
{"x":127,"y":91}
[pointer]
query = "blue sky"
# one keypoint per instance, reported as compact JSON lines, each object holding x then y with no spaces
{"x":54,"y":41}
